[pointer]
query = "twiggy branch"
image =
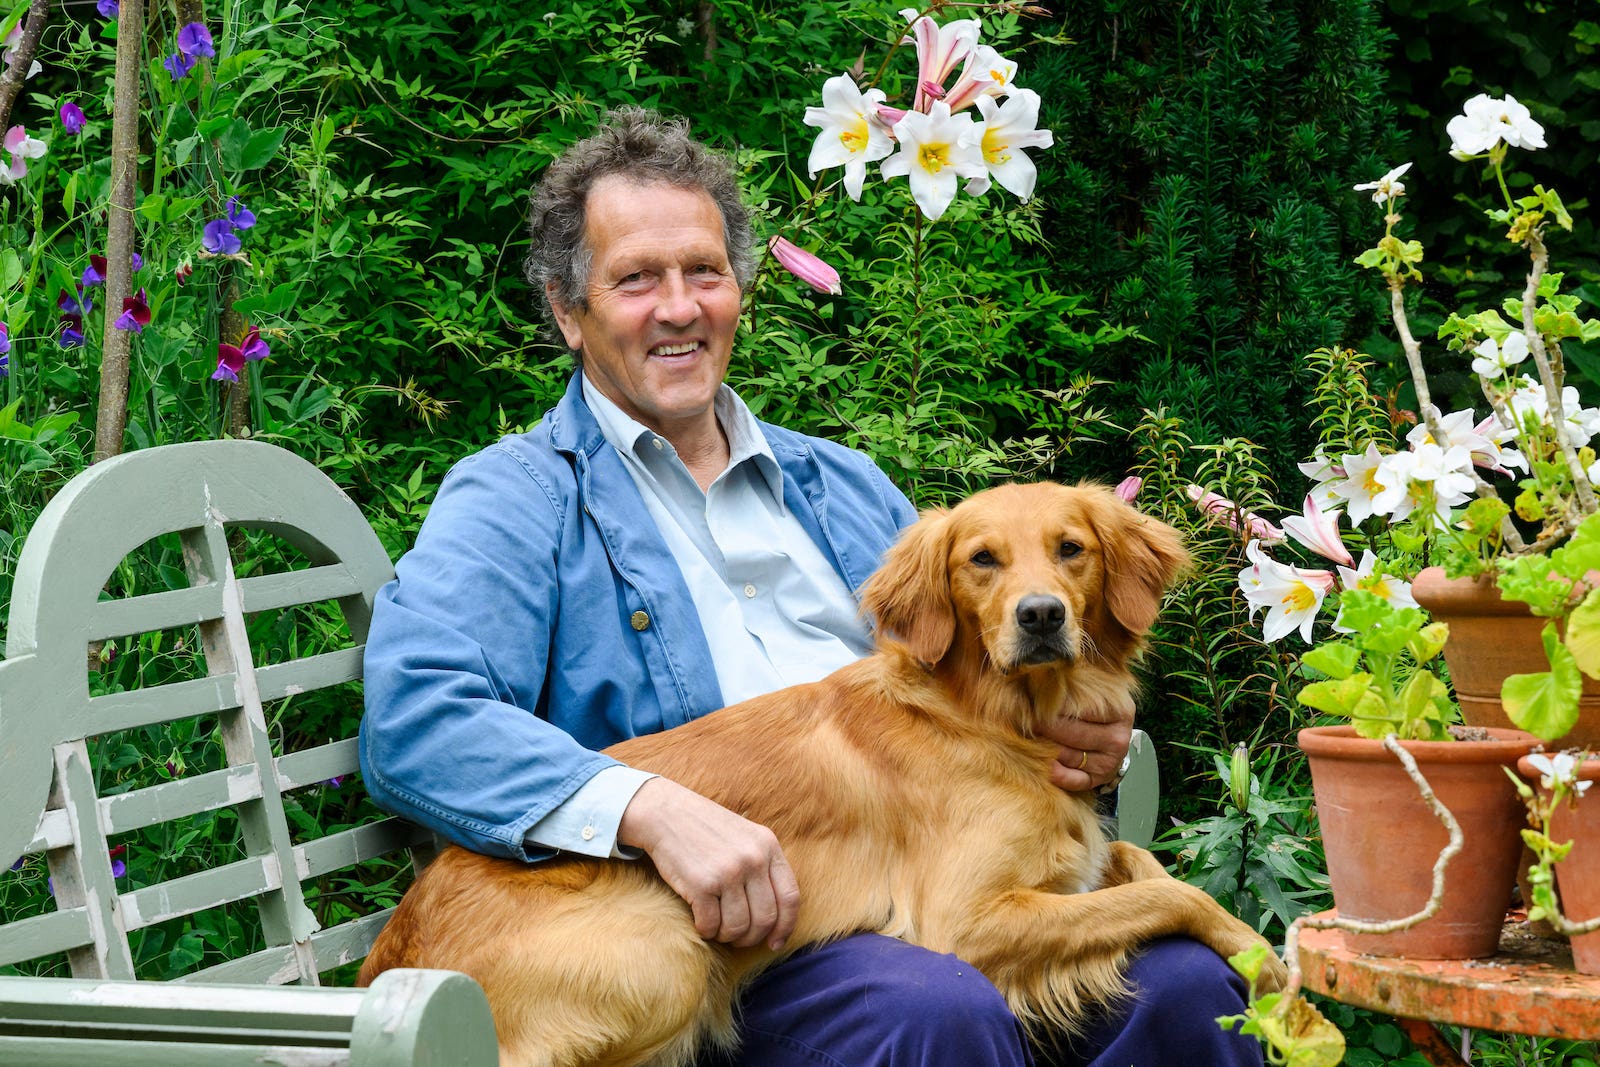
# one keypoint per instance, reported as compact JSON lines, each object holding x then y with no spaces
{"x":13,"y":74}
{"x":1547,"y":374}
{"x":1360,"y":926}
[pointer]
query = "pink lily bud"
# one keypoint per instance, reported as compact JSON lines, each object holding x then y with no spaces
{"x":1220,"y":507}
{"x":1128,"y":488}
{"x":932,"y":90}
{"x":805,"y":266}
{"x":1319,"y":531}
{"x":888,"y":116}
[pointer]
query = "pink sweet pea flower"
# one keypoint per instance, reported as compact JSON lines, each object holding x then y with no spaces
{"x":805,"y":266}
{"x":22,"y":147}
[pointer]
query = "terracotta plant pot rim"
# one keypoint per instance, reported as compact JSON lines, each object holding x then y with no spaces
{"x":1475,"y":596}
{"x":1342,"y":742}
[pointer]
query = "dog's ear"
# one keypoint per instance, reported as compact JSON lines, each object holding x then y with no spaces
{"x":909,"y":595}
{"x":1142,"y":556}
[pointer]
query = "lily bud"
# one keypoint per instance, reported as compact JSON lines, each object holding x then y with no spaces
{"x":1128,"y":488}
{"x":1239,"y":777}
{"x":805,"y":266}
{"x":933,"y":90}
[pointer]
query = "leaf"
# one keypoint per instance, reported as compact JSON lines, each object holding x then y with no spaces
{"x":1335,"y":659}
{"x":261,"y":147}
{"x":1583,"y":634}
{"x":1338,"y":696}
{"x":1545,"y":704}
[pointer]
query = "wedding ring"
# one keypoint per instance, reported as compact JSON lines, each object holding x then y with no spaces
{"x":1085,"y":761}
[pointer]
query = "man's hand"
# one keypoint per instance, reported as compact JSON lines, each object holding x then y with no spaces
{"x":729,"y":869}
{"x":1091,"y":752}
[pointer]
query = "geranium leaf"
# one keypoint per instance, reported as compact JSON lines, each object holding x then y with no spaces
{"x":1583,"y":634}
{"x":1336,"y":659}
{"x":1545,"y":704}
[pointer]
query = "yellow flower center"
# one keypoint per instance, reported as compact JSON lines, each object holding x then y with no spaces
{"x":1369,"y":481}
{"x":933,"y":157}
{"x":1300,"y":597}
{"x":994,"y":149}
{"x":854,"y":136}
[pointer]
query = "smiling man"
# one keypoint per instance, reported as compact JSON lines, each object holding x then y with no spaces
{"x":649,"y":553}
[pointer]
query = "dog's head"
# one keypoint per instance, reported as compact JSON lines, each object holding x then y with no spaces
{"x":1031,"y":576}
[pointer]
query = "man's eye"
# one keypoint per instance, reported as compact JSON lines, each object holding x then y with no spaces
{"x":1070,"y":549}
{"x":984,"y":558}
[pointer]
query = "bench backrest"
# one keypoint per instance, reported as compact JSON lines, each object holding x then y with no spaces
{"x":62,"y":724}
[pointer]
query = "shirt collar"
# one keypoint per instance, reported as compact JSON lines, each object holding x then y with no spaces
{"x":745,"y":439}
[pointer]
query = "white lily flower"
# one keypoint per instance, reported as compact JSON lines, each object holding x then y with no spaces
{"x":1459,"y":429}
{"x":939,"y":49}
{"x":1495,"y":358}
{"x":937,"y":149}
{"x":1318,"y":530}
{"x":1486,"y":121}
{"x":849,"y":138}
{"x":1560,"y":767}
{"x":1007,"y":129}
{"x":1365,"y":479}
{"x":1388,"y":187}
{"x":985,"y":73}
{"x":1291,"y":595}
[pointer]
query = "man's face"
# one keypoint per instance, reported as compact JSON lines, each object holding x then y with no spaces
{"x":663,"y":303}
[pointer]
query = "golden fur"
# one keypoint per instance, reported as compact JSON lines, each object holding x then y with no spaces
{"x":909,"y":791}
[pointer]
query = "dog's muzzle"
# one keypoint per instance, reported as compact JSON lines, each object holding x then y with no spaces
{"x":1042,"y":626}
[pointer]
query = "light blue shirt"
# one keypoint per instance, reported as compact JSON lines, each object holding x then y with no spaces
{"x":780,"y":613}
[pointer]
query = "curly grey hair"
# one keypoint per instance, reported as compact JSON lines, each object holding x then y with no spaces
{"x":642,"y":146}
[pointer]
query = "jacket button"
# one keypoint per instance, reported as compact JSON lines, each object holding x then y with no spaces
{"x":639,"y":620}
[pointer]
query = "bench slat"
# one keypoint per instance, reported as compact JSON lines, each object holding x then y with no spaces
{"x":199,"y":891}
{"x":43,"y":935}
{"x":278,"y":680}
{"x":155,"y":611}
{"x":276,"y":966}
{"x":312,"y":765}
{"x":77,"y":1051}
{"x":73,"y":1000}
{"x":55,"y":831}
{"x":346,"y":848}
{"x":179,"y":799}
{"x":269,"y":592}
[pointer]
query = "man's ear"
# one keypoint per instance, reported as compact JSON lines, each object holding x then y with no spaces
{"x":566,"y":321}
{"x":909,"y":595}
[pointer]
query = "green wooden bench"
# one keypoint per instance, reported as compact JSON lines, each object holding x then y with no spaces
{"x":264,"y":1004}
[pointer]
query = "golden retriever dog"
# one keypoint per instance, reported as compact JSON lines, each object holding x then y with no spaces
{"x":909,"y":791}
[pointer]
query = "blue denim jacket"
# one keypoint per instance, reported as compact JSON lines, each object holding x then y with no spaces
{"x":541,"y":617}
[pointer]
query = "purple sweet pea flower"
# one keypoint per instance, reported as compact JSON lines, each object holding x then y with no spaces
{"x":195,"y":40}
{"x":118,"y":868}
{"x":241,"y":217}
{"x":179,"y":65}
{"x":5,"y":348}
{"x":335,"y":782}
{"x":95,"y":272}
{"x":79,"y":304}
{"x":109,"y":8}
{"x":17,"y":866}
{"x":218,"y":237}
{"x":230,"y":361}
{"x":73,"y":119}
{"x":71,"y":335}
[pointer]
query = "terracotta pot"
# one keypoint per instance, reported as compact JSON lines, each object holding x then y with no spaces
{"x":1491,"y":638}
{"x":1382,"y":840}
{"x":1578,"y":876}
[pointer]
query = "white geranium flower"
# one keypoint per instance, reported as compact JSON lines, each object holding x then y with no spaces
{"x":848,"y":137}
{"x":1495,"y":358}
{"x":1486,"y":121}
{"x":1559,"y":767}
{"x":937,"y":149}
{"x":1388,"y":187}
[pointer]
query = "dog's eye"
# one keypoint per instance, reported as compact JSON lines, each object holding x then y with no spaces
{"x":983,"y":558}
{"x":1070,"y":549}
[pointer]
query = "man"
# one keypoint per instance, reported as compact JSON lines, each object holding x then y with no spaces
{"x":649,"y":553}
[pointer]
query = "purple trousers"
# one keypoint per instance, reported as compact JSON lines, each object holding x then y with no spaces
{"x":872,"y":1001}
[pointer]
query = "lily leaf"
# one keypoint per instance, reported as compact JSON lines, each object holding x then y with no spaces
{"x":1545,"y":704}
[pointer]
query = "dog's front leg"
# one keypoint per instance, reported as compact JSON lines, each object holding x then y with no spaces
{"x":1055,"y":955}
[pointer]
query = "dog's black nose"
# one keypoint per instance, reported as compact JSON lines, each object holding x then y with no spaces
{"x":1039,"y":614}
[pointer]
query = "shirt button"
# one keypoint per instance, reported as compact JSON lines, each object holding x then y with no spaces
{"x":588,"y":833}
{"x":749,"y":590}
{"x":639,"y":620}
{"x":657,"y":442}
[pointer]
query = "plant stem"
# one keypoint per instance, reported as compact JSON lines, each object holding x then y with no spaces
{"x":1552,"y":387}
{"x":12,"y":75}
{"x":111,"y":418}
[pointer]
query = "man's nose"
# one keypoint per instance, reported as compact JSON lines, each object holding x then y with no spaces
{"x":676,"y":303}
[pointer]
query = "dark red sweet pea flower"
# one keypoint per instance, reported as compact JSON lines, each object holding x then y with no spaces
{"x":230,"y":361}
{"x":135,"y":313}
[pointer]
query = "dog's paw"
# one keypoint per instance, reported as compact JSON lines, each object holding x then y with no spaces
{"x":1274,"y":974}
